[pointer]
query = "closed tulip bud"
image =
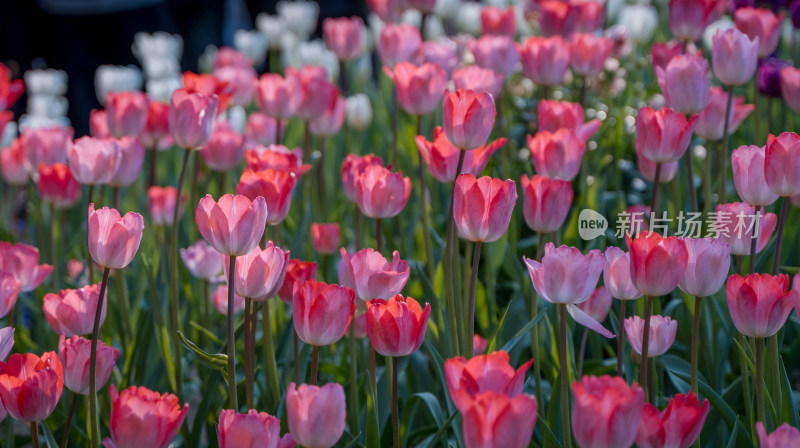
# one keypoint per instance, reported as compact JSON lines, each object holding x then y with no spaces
{"x":381,"y":193}
{"x":555,"y":115}
{"x":94,"y":161}
{"x":617,"y":275}
{"x":398,"y":43}
{"x":557,"y":154}
{"x":678,"y":425}
{"x":499,"y":21}
{"x":126,"y":113}
{"x":468,"y":118}
{"x":782,"y":164}
{"x":588,"y":53}
{"x":202,"y":260}
{"x":441,"y":157}
{"x":483,"y":373}
{"x":71,"y":311}
{"x":553,"y":18}
{"x":331,"y":120}
{"x":783,"y":437}
{"x":296,"y":272}
{"x":482,"y":207}
{"x":224,"y":150}
{"x":259,"y":274}
{"x":749,"y":176}
{"x":657,"y":263}
{"x":156,"y":129}
{"x":46,"y":145}
{"x":261,"y":129}
{"x":790,"y":86}
{"x":14,"y":163}
{"x":57,"y":185}
{"x":136,"y":408}
{"x":343,"y":36}
{"x":352,"y":167}
{"x":371,"y":275}
{"x":566,"y":276}
{"x":9,"y":291}
{"x":759,"y":303}
{"x":545,"y":202}
{"x":498,"y":53}
{"x":251,"y":429}
{"x":689,"y":18}
{"x":585,"y":16}
{"x":316,"y":414}
{"x":495,"y":419}
{"x":74,"y":354}
{"x":98,"y":123}
{"x":322,"y":312}
{"x":317,"y":92}
{"x":396,"y":327}
{"x":325,"y":237}
{"x":473,"y":77}
{"x":663,"y":136}
{"x":479,"y":344}
{"x":711,"y":121}
{"x":278,"y":97}
{"x":130,"y":162}
{"x":234,"y":225}
{"x":545,"y":60}
{"x":161,"y":204}
{"x":275,"y":186}
{"x":768,"y":77}
{"x":220,"y":299}
{"x":240,"y":83}
{"x":597,"y":305}
{"x":734,"y":57}
{"x":735,"y":223}
{"x":22,"y":261}
{"x":685,"y":83}
{"x":762,"y":24}
{"x":114,"y":239}
{"x":191,"y":118}
{"x":662,"y":334}
{"x":419,"y":89}
{"x":606,"y":412}
{"x":30,"y":386}
{"x":707,"y":266}
{"x":276,"y":157}
{"x":358,"y":111}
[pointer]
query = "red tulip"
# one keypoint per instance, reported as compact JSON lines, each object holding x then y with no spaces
{"x":598,"y":304}
{"x":296,"y":272}
{"x":240,"y":83}
{"x":441,"y":157}
{"x":322,"y":312}
{"x":278,"y":97}
{"x":343,"y":36}
{"x":419,"y":89}
{"x":156,"y":129}
{"x":220,"y":299}
{"x":275,"y":186}
{"x":663,"y":52}
{"x":762,"y":24}
{"x":371,"y":275}
{"x":74,"y":354}
{"x":783,"y":437}
{"x":790,"y":87}
{"x":30,"y":386}
{"x":130,"y":162}
{"x":234,"y":225}
{"x":617,"y":275}
{"x":317,"y":91}
{"x":114,"y":239}
{"x":191,"y":118}
{"x":495,"y":52}
{"x":663,"y":136}
{"x":161,"y":204}
{"x":126,"y":113}
{"x":14,"y":163}
{"x":678,"y":425}
{"x":259,"y":274}
{"x":208,"y":85}
{"x":202,"y":260}
{"x":585,"y":16}
{"x":9,"y":291}
{"x":589,"y":53}
{"x":782,"y":164}
{"x":468,"y":118}
{"x":545,"y":202}
{"x":398,"y":43}
{"x":555,"y":115}
{"x":252,"y":429}
{"x":558,"y":154}
{"x":748,"y":175}
{"x":46,"y":145}
{"x":689,"y":18}
{"x":495,"y":420}
{"x":396,"y":327}
{"x":381,"y":193}
{"x":316,"y":414}
{"x":277,"y":157}
{"x":137,"y":408}
{"x":759,"y":303}
{"x":483,"y":373}
{"x":499,"y":21}
{"x":22,"y":261}
{"x":734,"y":56}
{"x":482,"y":207}
{"x":657,"y":263}
{"x":94,"y":160}
{"x":711,"y":121}
{"x":606,"y":412}
{"x":57,"y":185}
{"x":473,"y":77}
{"x":331,"y":120}
{"x":325,"y":237}
{"x":71,"y":311}
{"x":734,"y":223}
{"x":261,"y":129}
{"x":223,"y":152}
{"x":10,"y":90}
{"x":662,"y":334}
{"x":545,"y":60}
{"x":707,"y":266}
{"x":352,"y":167}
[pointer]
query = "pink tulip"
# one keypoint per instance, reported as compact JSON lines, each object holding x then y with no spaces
{"x":441,"y":157}
{"x":479,"y":344}
{"x":30,"y":386}
{"x":296,"y":272}
{"x":662,"y":334}
{"x":261,"y":129}
{"x":782,"y":164}
{"x":22,"y":261}
{"x":317,"y":92}
{"x":707,"y":266}
{"x":555,"y":115}
{"x":648,"y":168}
{"x":229,"y":57}
{"x":58,"y":186}
{"x":545,"y":202}
{"x":589,"y":53}
{"x":252,"y":429}
{"x":678,"y":425}
{"x":156,"y":130}
{"x":606,"y":411}
{"x":234,"y":225}
{"x":734,"y":223}
{"x":545,"y":59}
{"x":381,"y":193}
{"x":441,"y":53}
{"x":352,"y":167}
{"x":325,"y":237}
{"x":663,"y":52}
{"x":759,"y":303}
{"x":136,"y":408}
{"x":240,"y":83}
{"x":711,"y":121}
{"x":275,"y":186}
{"x":734,"y":56}
{"x":343,"y":36}
{"x":202,"y":260}
{"x":558,"y":154}
{"x":277,"y":157}
{"x":657,"y":263}
{"x":114,"y":239}
{"x":495,"y":52}
{"x":598,"y":304}
{"x":762,"y":24}
{"x":371,"y":275}
{"x":689,"y":18}
{"x":663,"y":136}
{"x":783,"y":437}
{"x":468,"y":118}
{"x":790,"y":87}
{"x":322,"y":312}
{"x":482,"y":207}
{"x":161,"y":204}
{"x":94,"y":160}
{"x":685,"y":83}
{"x":126,"y":113}
{"x":331,"y":120}
{"x":483,"y":373}
{"x":259,"y":274}
{"x":220,"y":299}
{"x":617,"y":275}
{"x":316,"y":414}
{"x":495,"y":420}
{"x":396,"y":327}
{"x":46,"y":145}
{"x":278,"y":97}
{"x":208,"y":85}
{"x":419,"y":89}
{"x":473,"y":77}
{"x":223,"y":152}
{"x":585,"y":16}
{"x":498,"y":21}
{"x":9,"y":291}
{"x":14,"y":163}
{"x":748,"y":176}
{"x":191,"y":118}
{"x":71,"y":311}
{"x":398,"y":43}
{"x":74,"y":354}
{"x":130,"y":162}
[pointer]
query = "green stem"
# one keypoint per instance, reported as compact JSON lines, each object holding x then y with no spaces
{"x":707,"y":179}
{"x":352,"y":401}
{"x":296,"y":350}
{"x":248,"y":377}
{"x":473,"y":283}
{"x":93,"y":411}
{"x":54,"y":226}
{"x":456,"y":326}
{"x":760,"y":378}
{"x":423,"y":205}
{"x":35,"y":434}
{"x":314,"y":365}
{"x":621,"y":336}
{"x":173,"y":297}
{"x":379,"y":234}
{"x":564,"y":374}
{"x":690,"y":180}
{"x":269,"y":355}
{"x":643,"y":365}
{"x":68,"y":422}
{"x":231,"y":338}
{"x":776,"y":261}
{"x":757,"y":117}
{"x":395,"y":408}
{"x":723,"y":167}
{"x":751,"y":268}
{"x":695,"y":340}
{"x":582,"y":351}
{"x":656,"y":190}
{"x":89,"y":261}
{"x":748,"y":399}
{"x":774,"y":356}
{"x":537,"y":362}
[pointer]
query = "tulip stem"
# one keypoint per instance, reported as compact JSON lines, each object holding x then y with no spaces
{"x":176,"y":346}
{"x":723,"y":166}
{"x":473,"y":284}
{"x":643,"y":364}
{"x":269,"y":355}
{"x":153,"y":159}
{"x":760,"y":378}
{"x":93,"y":414}
{"x":707,"y":178}
{"x":296,"y":359}
{"x":353,"y":399}
{"x":621,"y":336}
{"x":774,"y":355}
{"x":89,"y":262}
{"x":695,"y":340}
{"x":54,"y":245}
{"x":372,"y":381}
{"x":395,"y":408}
{"x":359,"y":227}
{"x":656,"y":188}
{"x":68,"y":423}
{"x":564,"y":374}
{"x":231,"y":338}
{"x":395,"y":113}
{"x":204,"y":292}
{"x":537,"y":372}
{"x":423,"y":206}
{"x":751,"y":268}
{"x":248,"y":376}
{"x":756,"y":116}
{"x":776,"y":261}
{"x":35,"y":434}
{"x":379,"y":234}
{"x":690,"y":180}
{"x":582,"y":351}
{"x":320,"y":179}
{"x":314,"y":365}
{"x":455,"y":327}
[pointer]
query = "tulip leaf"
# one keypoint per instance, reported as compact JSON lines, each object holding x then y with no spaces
{"x":789,"y":406}
{"x":732,"y":439}
{"x":208,"y":333}
{"x":217,"y":361}
{"x":353,"y":442}
{"x":441,"y":430}
{"x":522,"y":332}
{"x":492,"y":344}
{"x":49,"y":438}
{"x":547,"y":431}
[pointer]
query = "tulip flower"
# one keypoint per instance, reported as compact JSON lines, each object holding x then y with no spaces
{"x":398,"y":43}
{"x":585,"y":16}
{"x":657,"y":263}
{"x":260,"y":129}
{"x":494,"y":420}
{"x":468,"y":118}
{"x":555,"y":115}
{"x":558,"y":154}
{"x":58,"y":186}
{"x":381,"y":193}
{"x":331,"y":120}
{"x":662,"y":334}
{"x":495,"y":52}
{"x":48,"y":145}
{"x":790,"y":87}
{"x":277,"y":157}
{"x":296,"y":272}
{"x":768,"y":76}
{"x":317,"y":92}
{"x":252,"y":429}
{"x":234,"y":225}
{"x":278,"y":97}
{"x":130,"y":162}
{"x":322,"y":312}
{"x":617,"y":275}
{"x":606,"y":412}
{"x":663,"y":52}
{"x":240,"y":83}
{"x":161,"y":204}
{"x":685,"y":84}
{"x":208,"y":85}
{"x":762,"y":24}
{"x":259,"y":274}
{"x":11,"y":90}
{"x":30,"y":386}
{"x":783,"y":437}
{"x":441,"y":53}
{"x":782,"y":164}
{"x":94,"y":160}
{"x":114,"y":239}
{"x":358,"y":111}
{"x":220,"y":299}
{"x":22,"y":261}
{"x":678,"y":425}
{"x":759,"y":303}
{"x":9,"y":291}
{"x":588,"y":53}
{"x":202,"y":260}
{"x":483,"y":373}
{"x":748,"y":164}
{"x":734,"y":57}
{"x":483,"y":206}
{"x":545,"y":202}
{"x":14,"y":163}
{"x":316,"y":414}
{"x":441,"y":157}
{"x":473,"y":77}
{"x":706,"y":267}
{"x":275,"y":186}
{"x":663,"y":136}
{"x":325,"y":237}
{"x":156,"y":128}
{"x":553,"y":18}
{"x":136,"y":408}
{"x":545,"y":60}
{"x":126,"y":113}
{"x":689,"y":18}
{"x":597,"y":305}
{"x":74,"y":354}
{"x":191,"y":118}
{"x":479,"y":344}
{"x":352,"y":167}
{"x":419,"y":89}
{"x":711,"y":121}
{"x":371,"y":275}
{"x":396,"y":327}
{"x":71,"y":311}
{"x":223,"y":152}
{"x":498,"y":21}
{"x":343,"y":36}
{"x":734,"y":225}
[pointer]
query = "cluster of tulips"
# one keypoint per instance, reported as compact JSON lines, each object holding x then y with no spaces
{"x":459,"y":108}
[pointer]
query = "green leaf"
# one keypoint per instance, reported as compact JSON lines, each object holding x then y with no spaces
{"x":216,"y":361}
{"x":492,"y":344}
{"x":442,"y":429}
{"x":513,"y":341}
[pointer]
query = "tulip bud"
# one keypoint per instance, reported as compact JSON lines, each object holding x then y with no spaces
{"x":224,"y":149}
{"x":30,"y":386}
{"x":114,"y":239}
{"x":234,"y":225}
{"x":71,"y":311}
{"x":498,"y":21}
{"x":250,"y":429}
{"x":748,"y":176}
{"x":555,"y":115}
{"x":657,"y":263}
{"x":9,"y":291}
{"x":685,"y":83}
{"x":130,"y":162}
{"x":136,"y":408}
{"x":396,"y":327}
{"x":762,"y":24}
{"x":662,"y":334}
{"x":74,"y":354}
{"x":419,"y":89}
{"x":220,"y":299}
{"x":473,"y":77}
{"x":466,"y":379}
{"x":325,"y":237}
{"x":588,"y":53}
{"x":322,"y":312}
{"x":482,"y":207}
{"x":545,"y":59}
{"x":94,"y":161}
{"x":371,"y":275}
{"x":678,"y":425}
{"x":468,"y":118}
{"x":381,"y":193}
{"x":759,"y":303}
{"x":57,"y":185}
{"x":557,"y":155}
{"x":617,"y":275}
{"x":488,"y":416}
{"x":606,"y":411}
{"x":782,"y":164}
{"x":22,"y":261}
{"x":783,"y":437}
{"x":398,"y":43}
{"x":278,"y":97}
{"x":191,"y":118}
{"x":259,"y":274}
{"x":597,"y":305}
{"x":711,"y":122}
{"x":498,"y":53}
{"x":161,"y":204}
{"x":735,"y":225}
{"x":734,"y":56}
{"x":126,"y":113}
{"x":663,"y":136}
{"x":707,"y":266}
{"x":46,"y":145}
{"x":296,"y":272}
{"x":689,"y":18}
{"x":790,"y":86}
